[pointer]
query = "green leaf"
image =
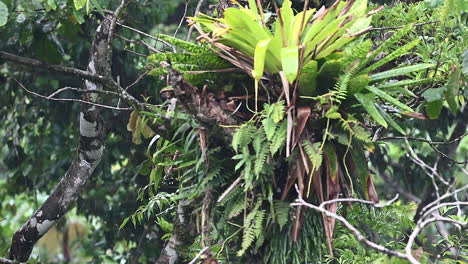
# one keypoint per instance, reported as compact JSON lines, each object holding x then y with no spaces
{"x":79,"y":4}
{"x":399,"y":71}
{"x":390,"y":121}
{"x":389,"y":98}
{"x":278,"y":111}
{"x":269,"y":126}
{"x":259,"y":58}
{"x":51,"y":5}
{"x":97,"y":5}
{"x":313,"y":152}
{"x":397,"y":53}
{"x":434,"y":94}
{"x":433,"y":108}
{"x":404,"y":83}
{"x":290,"y":62}
{"x":465,"y":62}
{"x":452,"y":91}
{"x":386,"y":45}
{"x":3,"y":14}
{"x":368,"y":104}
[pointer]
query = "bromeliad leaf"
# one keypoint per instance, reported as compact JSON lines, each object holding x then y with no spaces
{"x":368,"y":104}
{"x":389,"y":98}
{"x":399,"y":71}
{"x":290,"y":62}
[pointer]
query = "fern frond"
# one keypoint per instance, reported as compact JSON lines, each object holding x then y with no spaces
{"x":341,"y":85}
{"x":357,"y":52}
{"x":269,"y":126}
{"x":313,"y":153}
{"x":253,"y":227}
{"x":243,"y":136}
{"x":260,"y":161}
{"x":279,"y":138}
{"x":281,"y":212}
{"x":357,"y":131}
{"x":235,"y":206}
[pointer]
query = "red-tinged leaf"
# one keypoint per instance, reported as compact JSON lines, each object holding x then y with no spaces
{"x":303,"y":114}
{"x":289,"y":133}
{"x":300,"y":170}
{"x":202,"y":133}
{"x":317,"y":182}
{"x":305,"y":159}
{"x":371,"y":192}
{"x":416,"y":115}
{"x":297,"y":223}
{"x":333,"y":190}
{"x":295,"y":172}
{"x":357,"y":165}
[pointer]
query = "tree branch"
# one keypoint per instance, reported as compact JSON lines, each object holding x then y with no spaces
{"x":321,"y":208}
{"x":89,"y":151}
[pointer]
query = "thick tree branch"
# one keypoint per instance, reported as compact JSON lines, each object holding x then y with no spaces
{"x":208,"y":112}
{"x":183,"y":234}
{"x":89,"y":151}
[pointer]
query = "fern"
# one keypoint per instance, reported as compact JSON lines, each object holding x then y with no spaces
{"x":243,"y":136}
{"x":314,"y":153}
{"x":185,"y":45}
{"x":235,"y":206}
{"x":279,"y":138}
{"x":281,"y":212}
{"x":356,"y":131}
{"x":269,"y":126}
{"x":260,"y":161}
{"x":357,"y":52}
{"x":341,"y":86}
{"x":253,"y":227}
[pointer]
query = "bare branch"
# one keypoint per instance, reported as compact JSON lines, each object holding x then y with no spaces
{"x":356,"y":233}
{"x":229,"y":189}
{"x":445,"y":196}
{"x":140,"y":42}
{"x":194,"y":260}
{"x":398,"y":27}
{"x":379,"y":205}
{"x":419,"y":227}
{"x":148,"y":35}
{"x":431,"y":144}
{"x":50,"y":97}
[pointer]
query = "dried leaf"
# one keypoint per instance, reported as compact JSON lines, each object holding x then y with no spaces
{"x":371,"y":192}
{"x":303,"y":114}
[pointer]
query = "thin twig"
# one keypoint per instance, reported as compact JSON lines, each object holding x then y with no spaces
{"x":140,"y":42}
{"x":398,"y":27}
{"x":182,"y":18}
{"x":72,"y":100}
{"x":81,"y":91}
{"x":379,"y":205}
{"x":356,"y":233}
{"x":419,"y":227}
{"x":147,"y":35}
{"x":194,"y":260}
{"x":431,"y":144}
{"x":135,"y":53}
{"x":229,"y":190}
{"x":197,"y":10}
{"x":137,"y":80}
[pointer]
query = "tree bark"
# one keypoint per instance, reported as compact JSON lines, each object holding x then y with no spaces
{"x":183,"y":234}
{"x":87,"y":158}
